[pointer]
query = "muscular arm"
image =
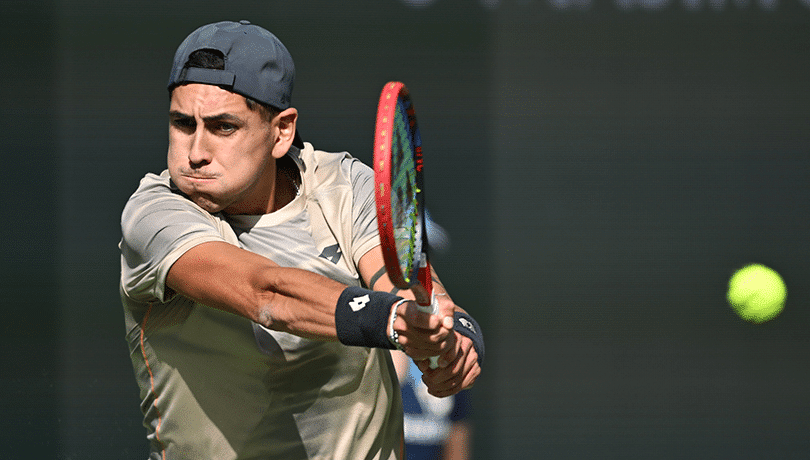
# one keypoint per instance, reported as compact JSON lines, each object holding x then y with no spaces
{"x":300,"y":302}
{"x":226,"y":277}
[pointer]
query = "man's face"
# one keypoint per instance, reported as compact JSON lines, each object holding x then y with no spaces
{"x":220,"y":151}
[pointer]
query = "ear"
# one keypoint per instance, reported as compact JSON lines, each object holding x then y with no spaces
{"x":286,"y":123}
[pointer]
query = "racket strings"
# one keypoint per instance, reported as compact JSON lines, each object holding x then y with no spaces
{"x":404,"y":191}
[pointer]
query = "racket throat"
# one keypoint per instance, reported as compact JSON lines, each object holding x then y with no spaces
{"x":423,"y":291}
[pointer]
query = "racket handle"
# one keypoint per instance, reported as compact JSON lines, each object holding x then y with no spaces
{"x":432,"y":308}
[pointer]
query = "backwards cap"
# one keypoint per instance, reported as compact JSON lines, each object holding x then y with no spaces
{"x":257,"y":65}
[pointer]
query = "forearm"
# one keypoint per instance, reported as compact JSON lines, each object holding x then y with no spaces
{"x":299,"y":302}
{"x":373,"y":271}
{"x":226,"y":277}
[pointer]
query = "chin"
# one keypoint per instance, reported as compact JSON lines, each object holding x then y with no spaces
{"x":206,"y":203}
{"x":201,"y":199}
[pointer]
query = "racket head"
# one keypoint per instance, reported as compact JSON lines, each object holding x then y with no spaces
{"x":399,"y":195}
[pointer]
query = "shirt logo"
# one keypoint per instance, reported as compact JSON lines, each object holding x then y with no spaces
{"x":331,"y":253}
{"x":358,"y":303}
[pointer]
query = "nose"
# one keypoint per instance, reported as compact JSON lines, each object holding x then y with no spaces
{"x":199,"y":153}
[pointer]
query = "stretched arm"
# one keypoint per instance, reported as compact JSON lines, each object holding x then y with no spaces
{"x":292,"y":300}
{"x":232,"y":279}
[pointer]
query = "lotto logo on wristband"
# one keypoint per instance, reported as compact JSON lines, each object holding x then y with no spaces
{"x":361,"y":317}
{"x":464,"y":322}
{"x":358,"y":303}
{"x":465,"y":325}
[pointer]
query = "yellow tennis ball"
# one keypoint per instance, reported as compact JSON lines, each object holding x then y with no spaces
{"x":757,"y":293}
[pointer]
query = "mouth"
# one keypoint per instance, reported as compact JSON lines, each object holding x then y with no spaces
{"x":197,"y":177}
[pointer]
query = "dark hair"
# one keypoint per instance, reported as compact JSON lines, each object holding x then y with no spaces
{"x":214,"y":59}
{"x":206,"y":59}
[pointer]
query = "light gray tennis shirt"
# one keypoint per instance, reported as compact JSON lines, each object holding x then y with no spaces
{"x":217,"y":386}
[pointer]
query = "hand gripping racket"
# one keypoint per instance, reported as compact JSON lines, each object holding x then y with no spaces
{"x":400,"y":196}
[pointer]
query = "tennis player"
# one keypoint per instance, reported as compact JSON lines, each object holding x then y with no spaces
{"x":244,"y":271}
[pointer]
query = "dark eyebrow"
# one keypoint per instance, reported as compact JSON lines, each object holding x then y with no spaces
{"x":176,"y":114}
{"x":223,"y":117}
{"x":209,"y":119}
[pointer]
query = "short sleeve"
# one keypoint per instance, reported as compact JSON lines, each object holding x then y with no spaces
{"x":364,"y":211}
{"x":159,"y":225}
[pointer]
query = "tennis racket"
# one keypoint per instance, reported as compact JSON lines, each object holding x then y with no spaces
{"x":400,"y":197}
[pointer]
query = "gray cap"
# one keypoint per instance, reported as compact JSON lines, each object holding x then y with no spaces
{"x":257,"y":64}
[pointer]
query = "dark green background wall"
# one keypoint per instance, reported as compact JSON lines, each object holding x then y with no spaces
{"x":602,"y":168}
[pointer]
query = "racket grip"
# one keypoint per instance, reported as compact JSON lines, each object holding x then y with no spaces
{"x":433,"y":309}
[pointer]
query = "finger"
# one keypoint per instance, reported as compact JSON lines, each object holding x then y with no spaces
{"x":460,"y":374}
{"x":472,"y":376}
{"x":458,"y":382}
{"x":441,"y":388}
{"x":446,"y":306}
{"x":451,"y":350}
{"x":423,"y":335}
{"x":454,"y":346}
{"x":426,"y":342}
{"x":423,"y":352}
{"x":410,"y":314}
{"x":474,"y":370}
{"x":446,"y":377}
{"x":437,"y":340}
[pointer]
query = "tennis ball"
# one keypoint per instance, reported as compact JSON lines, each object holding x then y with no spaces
{"x":757,"y":293}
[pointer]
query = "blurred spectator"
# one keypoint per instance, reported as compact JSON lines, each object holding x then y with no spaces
{"x":435,"y":428}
